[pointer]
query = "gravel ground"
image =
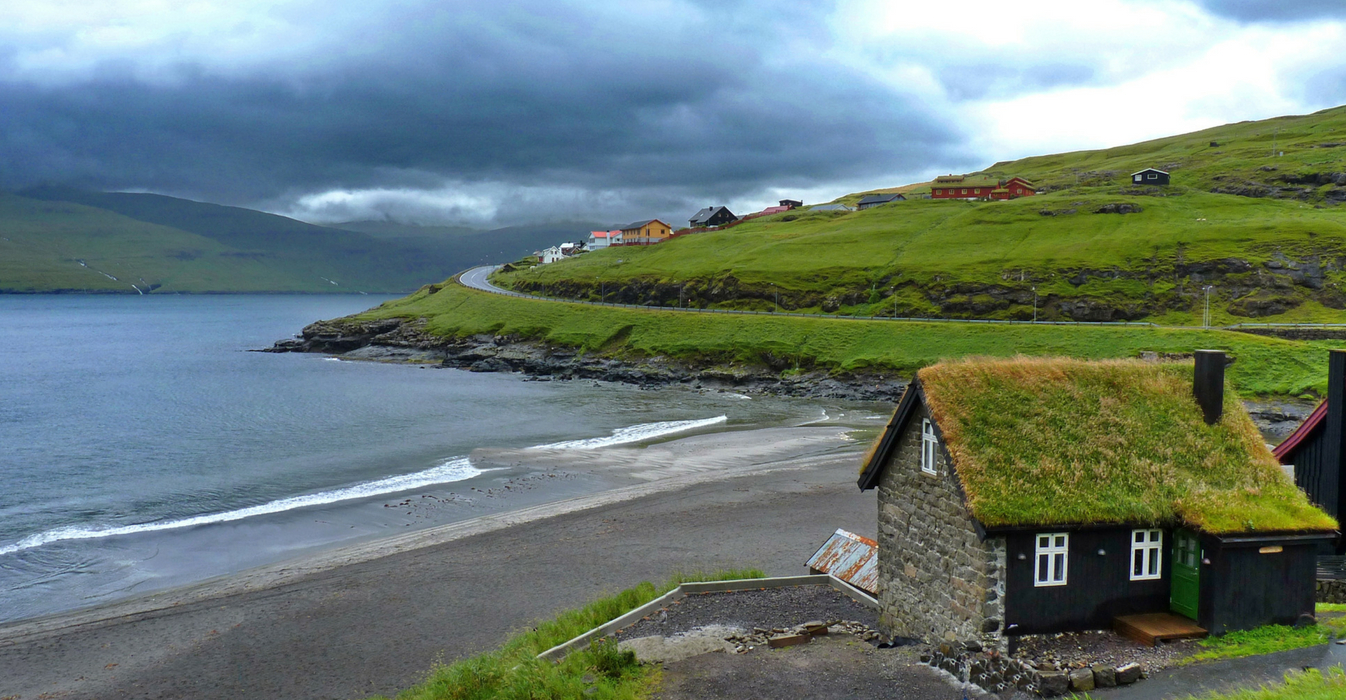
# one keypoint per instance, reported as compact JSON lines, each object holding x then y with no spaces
{"x":1080,"y":649}
{"x":837,"y":666}
{"x":770,"y":608}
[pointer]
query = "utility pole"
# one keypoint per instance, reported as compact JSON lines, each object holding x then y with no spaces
{"x":894,"y":292}
{"x":1205,"y":319}
{"x":776,"y":292}
{"x":1035,"y":304}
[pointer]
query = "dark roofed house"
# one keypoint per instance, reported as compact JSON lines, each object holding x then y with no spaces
{"x":712,"y":216}
{"x":1316,"y":452}
{"x":791,"y":203}
{"x":1033,"y":496}
{"x":1149,"y":176}
{"x":878,"y":200}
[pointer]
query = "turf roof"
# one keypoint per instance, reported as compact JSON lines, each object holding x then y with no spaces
{"x":1039,"y":441}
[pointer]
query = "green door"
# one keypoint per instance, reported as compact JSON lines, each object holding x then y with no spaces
{"x":1186,"y":590}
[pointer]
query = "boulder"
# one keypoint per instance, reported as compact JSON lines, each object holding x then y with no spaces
{"x":1081,"y":680}
{"x":1104,"y":676}
{"x":1128,"y":673}
{"x":1053,"y":684}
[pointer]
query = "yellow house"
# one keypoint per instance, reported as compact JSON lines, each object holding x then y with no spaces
{"x":646,"y":232}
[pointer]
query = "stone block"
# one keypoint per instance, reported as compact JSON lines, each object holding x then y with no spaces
{"x":1104,"y":676}
{"x":1081,"y":680}
{"x":1128,"y":673}
{"x":1053,"y":683}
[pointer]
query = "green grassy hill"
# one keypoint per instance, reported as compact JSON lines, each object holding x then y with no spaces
{"x":1266,"y":232}
{"x":67,"y":240}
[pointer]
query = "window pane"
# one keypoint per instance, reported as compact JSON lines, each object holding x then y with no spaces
{"x":1139,"y":536}
{"x":1060,"y":540}
{"x":1154,"y":563}
{"x":1156,"y":535}
{"x":1136,"y":564}
{"x":1044,"y":541}
{"x":1042,"y":567}
{"x":1060,"y":573}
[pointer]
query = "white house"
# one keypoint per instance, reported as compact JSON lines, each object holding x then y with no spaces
{"x":603,"y":239}
{"x":550,"y":255}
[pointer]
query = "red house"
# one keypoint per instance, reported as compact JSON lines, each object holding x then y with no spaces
{"x":980,"y":187}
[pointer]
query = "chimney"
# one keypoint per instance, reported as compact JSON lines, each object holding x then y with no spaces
{"x":1208,"y":384}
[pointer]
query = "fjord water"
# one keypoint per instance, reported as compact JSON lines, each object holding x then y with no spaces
{"x":143,"y":446}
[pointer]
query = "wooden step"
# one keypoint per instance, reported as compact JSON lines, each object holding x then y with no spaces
{"x":1150,"y":628}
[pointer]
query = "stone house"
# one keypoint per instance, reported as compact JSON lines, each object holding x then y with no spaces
{"x":1031,"y":496}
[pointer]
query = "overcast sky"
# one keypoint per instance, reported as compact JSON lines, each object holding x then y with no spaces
{"x":492,"y":113}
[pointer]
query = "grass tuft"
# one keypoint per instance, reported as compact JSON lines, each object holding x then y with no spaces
{"x":1307,"y":685}
{"x":1255,"y":642}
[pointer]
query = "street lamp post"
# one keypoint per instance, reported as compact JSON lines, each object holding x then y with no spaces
{"x":1035,"y":304}
{"x":894,"y":293}
{"x":776,"y":293}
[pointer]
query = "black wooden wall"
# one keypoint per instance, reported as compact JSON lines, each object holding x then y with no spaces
{"x":1098,"y":588}
{"x":1243,"y":588}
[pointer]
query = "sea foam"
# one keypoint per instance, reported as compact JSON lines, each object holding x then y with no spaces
{"x":456,"y":469}
{"x":635,"y":433}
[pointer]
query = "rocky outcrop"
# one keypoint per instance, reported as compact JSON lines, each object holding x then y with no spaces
{"x":399,"y":340}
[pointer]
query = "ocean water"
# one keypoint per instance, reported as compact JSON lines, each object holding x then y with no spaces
{"x":143,"y":446}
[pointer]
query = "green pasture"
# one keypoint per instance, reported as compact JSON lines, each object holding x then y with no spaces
{"x":1263,"y":366}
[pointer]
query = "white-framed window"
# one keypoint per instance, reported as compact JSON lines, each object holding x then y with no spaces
{"x":1147,"y":548}
{"x":1152,"y":176}
{"x":929,"y":447}
{"x":1051,"y":555}
{"x":964,"y":191}
{"x":1137,"y":178}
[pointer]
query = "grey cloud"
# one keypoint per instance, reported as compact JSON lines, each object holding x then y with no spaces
{"x":1275,"y":10}
{"x":528,"y":99}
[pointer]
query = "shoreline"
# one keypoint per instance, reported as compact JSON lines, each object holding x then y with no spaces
{"x":618,"y":464}
{"x":405,"y":342}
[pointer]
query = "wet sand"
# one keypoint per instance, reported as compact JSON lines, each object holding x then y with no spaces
{"x":373,"y":618}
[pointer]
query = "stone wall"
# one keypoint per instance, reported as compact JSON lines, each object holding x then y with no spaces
{"x":938,"y":580}
{"x":1331,"y":590}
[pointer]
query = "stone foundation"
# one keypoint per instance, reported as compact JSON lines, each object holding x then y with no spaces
{"x":1331,"y":591}
{"x":995,"y":673}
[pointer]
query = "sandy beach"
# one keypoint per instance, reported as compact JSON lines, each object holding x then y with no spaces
{"x":373,"y":618}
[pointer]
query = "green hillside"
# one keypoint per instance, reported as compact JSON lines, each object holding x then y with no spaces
{"x":1266,"y":232}
{"x":67,"y":240}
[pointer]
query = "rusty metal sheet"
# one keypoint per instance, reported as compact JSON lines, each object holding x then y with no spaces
{"x":851,"y":558}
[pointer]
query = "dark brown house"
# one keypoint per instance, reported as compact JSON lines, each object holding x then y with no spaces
{"x":1315,"y":452}
{"x":1048,"y":495}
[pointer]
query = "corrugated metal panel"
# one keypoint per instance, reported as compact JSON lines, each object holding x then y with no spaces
{"x":851,"y":558}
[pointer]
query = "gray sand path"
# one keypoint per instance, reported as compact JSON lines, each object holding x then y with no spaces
{"x":356,"y":623}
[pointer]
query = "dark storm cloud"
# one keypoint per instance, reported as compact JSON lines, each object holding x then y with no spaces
{"x":1276,"y":10}
{"x":530,"y":97}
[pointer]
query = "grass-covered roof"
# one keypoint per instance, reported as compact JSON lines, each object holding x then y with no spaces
{"x":1045,"y":441}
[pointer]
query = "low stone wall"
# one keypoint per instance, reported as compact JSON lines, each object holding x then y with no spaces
{"x":996,"y":673}
{"x":1331,"y":591}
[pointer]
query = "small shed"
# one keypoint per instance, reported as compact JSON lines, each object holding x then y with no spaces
{"x":1149,"y":176}
{"x":791,"y":203}
{"x":1041,"y":495}
{"x":712,"y":216}
{"x":878,"y":200}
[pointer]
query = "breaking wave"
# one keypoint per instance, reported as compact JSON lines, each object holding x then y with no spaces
{"x":456,"y":469}
{"x":635,"y":433}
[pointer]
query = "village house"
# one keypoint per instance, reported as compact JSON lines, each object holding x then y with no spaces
{"x":980,"y":187}
{"x":791,"y":203}
{"x":547,"y":256}
{"x":712,"y":216}
{"x":830,"y":207}
{"x":1149,"y":176}
{"x":1031,"y":496}
{"x":647,"y":232}
{"x":1314,"y":453}
{"x":602,"y":239}
{"x":878,"y":200}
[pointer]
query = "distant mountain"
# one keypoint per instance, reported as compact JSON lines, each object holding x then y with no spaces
{"x":60,"y":239}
